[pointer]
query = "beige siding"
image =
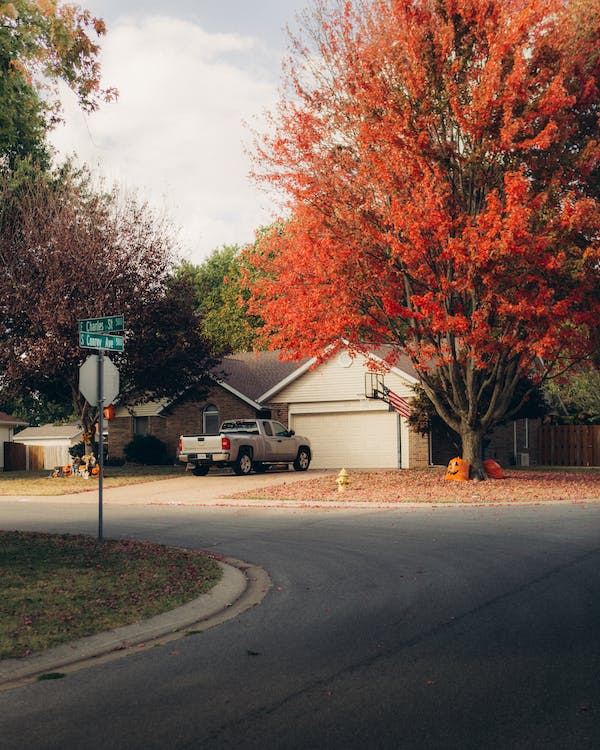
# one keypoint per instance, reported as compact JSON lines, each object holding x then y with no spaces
{"x":347,"y":429}
{"x":331,"y":381}
{"x":56,"y":455}
{"x":327,"y":383}
{"x":151,"y":409}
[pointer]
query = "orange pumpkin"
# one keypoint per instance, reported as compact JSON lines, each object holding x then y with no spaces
{"x":458,"y":470}
{"x":95,"y":471}
{"x":67,"y":470}
{"x":493,"y":469}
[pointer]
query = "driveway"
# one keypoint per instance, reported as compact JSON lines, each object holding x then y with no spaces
{"x":185,"y":490}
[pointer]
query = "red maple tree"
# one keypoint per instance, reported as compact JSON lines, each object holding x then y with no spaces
{"x":440,"y":162}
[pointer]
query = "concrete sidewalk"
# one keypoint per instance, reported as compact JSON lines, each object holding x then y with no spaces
{"x":185,"y":490}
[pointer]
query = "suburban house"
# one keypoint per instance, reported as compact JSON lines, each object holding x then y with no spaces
{"x":50,"y":444}
{"x":340,"y":405}
{"x":7,"y":433}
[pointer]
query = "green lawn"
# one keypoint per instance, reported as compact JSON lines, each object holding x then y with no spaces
{"x":56,"y":588}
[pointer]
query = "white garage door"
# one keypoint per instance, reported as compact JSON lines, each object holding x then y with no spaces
{"x":350,"y":440}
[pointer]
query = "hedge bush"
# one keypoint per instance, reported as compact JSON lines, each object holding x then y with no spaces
{"x":147,"y":450}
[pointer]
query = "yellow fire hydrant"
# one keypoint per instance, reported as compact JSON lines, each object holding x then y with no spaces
{"x":342,"y":480}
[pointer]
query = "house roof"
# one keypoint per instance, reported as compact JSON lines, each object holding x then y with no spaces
{"x":256,"y":377}
{"x":402,"y":366}
{"x":7,"y":419}
{"x":252,"y":374}
{"x":50,"y":431}
{"x":401,"y":363}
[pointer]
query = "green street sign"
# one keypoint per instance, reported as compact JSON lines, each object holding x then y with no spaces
{"x":110,"y":324}
{"x":101,"y":341}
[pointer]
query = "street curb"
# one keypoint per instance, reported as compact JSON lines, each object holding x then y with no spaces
{"x":242,"y":586}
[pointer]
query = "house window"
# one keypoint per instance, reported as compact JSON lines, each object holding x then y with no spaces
{"x":210,"y":420}
{"x":140,"y":425}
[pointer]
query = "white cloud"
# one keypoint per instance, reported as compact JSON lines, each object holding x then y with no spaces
{"x":175,"y":134}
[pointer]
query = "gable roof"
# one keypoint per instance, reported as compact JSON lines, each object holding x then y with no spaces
{"x":402,"y":364}
{"x":402,"y":367}
{"x":50,"y":432}
{"x":249,"y":375}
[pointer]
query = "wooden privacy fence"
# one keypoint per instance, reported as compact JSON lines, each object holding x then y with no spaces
{"x":19,"y":457}
{"x":569,"y":445}
{"x":15,"y":457}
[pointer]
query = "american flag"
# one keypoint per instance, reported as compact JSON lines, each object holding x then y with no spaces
{"x":400,"y":404}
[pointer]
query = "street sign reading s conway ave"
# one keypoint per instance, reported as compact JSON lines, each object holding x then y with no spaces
{"x":98,"y":333}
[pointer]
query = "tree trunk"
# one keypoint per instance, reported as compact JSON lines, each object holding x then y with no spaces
{"x":472,"y":451}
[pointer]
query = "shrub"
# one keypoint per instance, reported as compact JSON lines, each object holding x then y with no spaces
{"x":114,"y":461}
{"x":147,"y":450}
{"x":77,"y":450}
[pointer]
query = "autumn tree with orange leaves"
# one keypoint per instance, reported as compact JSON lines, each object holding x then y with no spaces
{"x":440,"y":166}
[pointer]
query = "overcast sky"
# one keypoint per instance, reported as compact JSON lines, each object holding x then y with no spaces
{"x":188,"y":74}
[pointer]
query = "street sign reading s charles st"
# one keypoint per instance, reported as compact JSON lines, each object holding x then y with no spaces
{"x":109,"y":324}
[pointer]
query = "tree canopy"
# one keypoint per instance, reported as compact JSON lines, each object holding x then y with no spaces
{"x":70,"y":251}
{"x":440,"y":164}
{"x":220,"y":299}
{"x":43,"y":42}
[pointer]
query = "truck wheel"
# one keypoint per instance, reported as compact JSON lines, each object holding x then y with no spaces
{"x":302,"y":460}
{"x":243,"y":465}
{"x":200,"y":471}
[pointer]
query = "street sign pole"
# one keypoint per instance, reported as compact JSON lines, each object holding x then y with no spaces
{"x":100,"y":439}
{"x":99,"y":333}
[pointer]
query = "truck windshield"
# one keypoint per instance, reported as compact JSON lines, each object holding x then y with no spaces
{"x":250,"y":427}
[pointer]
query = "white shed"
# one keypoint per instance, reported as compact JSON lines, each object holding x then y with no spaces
{"x":55,"y":439}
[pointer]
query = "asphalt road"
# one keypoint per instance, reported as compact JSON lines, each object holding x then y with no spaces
{"x":385,"y":628}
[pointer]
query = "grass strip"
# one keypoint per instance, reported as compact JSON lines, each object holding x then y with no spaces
{"x":56,"y":588}
{"x":42,"y":483}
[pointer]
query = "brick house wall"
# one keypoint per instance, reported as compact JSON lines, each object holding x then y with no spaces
{"x":522,"y":434}
{"x":500,"y":445}
{"x":280,"y":412}
{"x":418,"y":450}
{"x":182,"y":417}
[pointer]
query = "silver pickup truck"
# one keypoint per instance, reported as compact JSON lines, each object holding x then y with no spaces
{"x":245,"y":444}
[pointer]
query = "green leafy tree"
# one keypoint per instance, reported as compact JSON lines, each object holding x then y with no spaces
{"x":221,"y":301}
{"x":576,"y":397}
{"x":44,"y":42}
{"x":37,"y":410}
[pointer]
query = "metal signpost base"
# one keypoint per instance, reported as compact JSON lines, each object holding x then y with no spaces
{"x":100,"y":439}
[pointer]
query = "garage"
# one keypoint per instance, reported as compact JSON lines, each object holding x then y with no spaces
{"x":350,"y":439}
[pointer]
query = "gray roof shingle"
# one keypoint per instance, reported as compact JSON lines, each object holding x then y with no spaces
{"x":255,"y":373}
